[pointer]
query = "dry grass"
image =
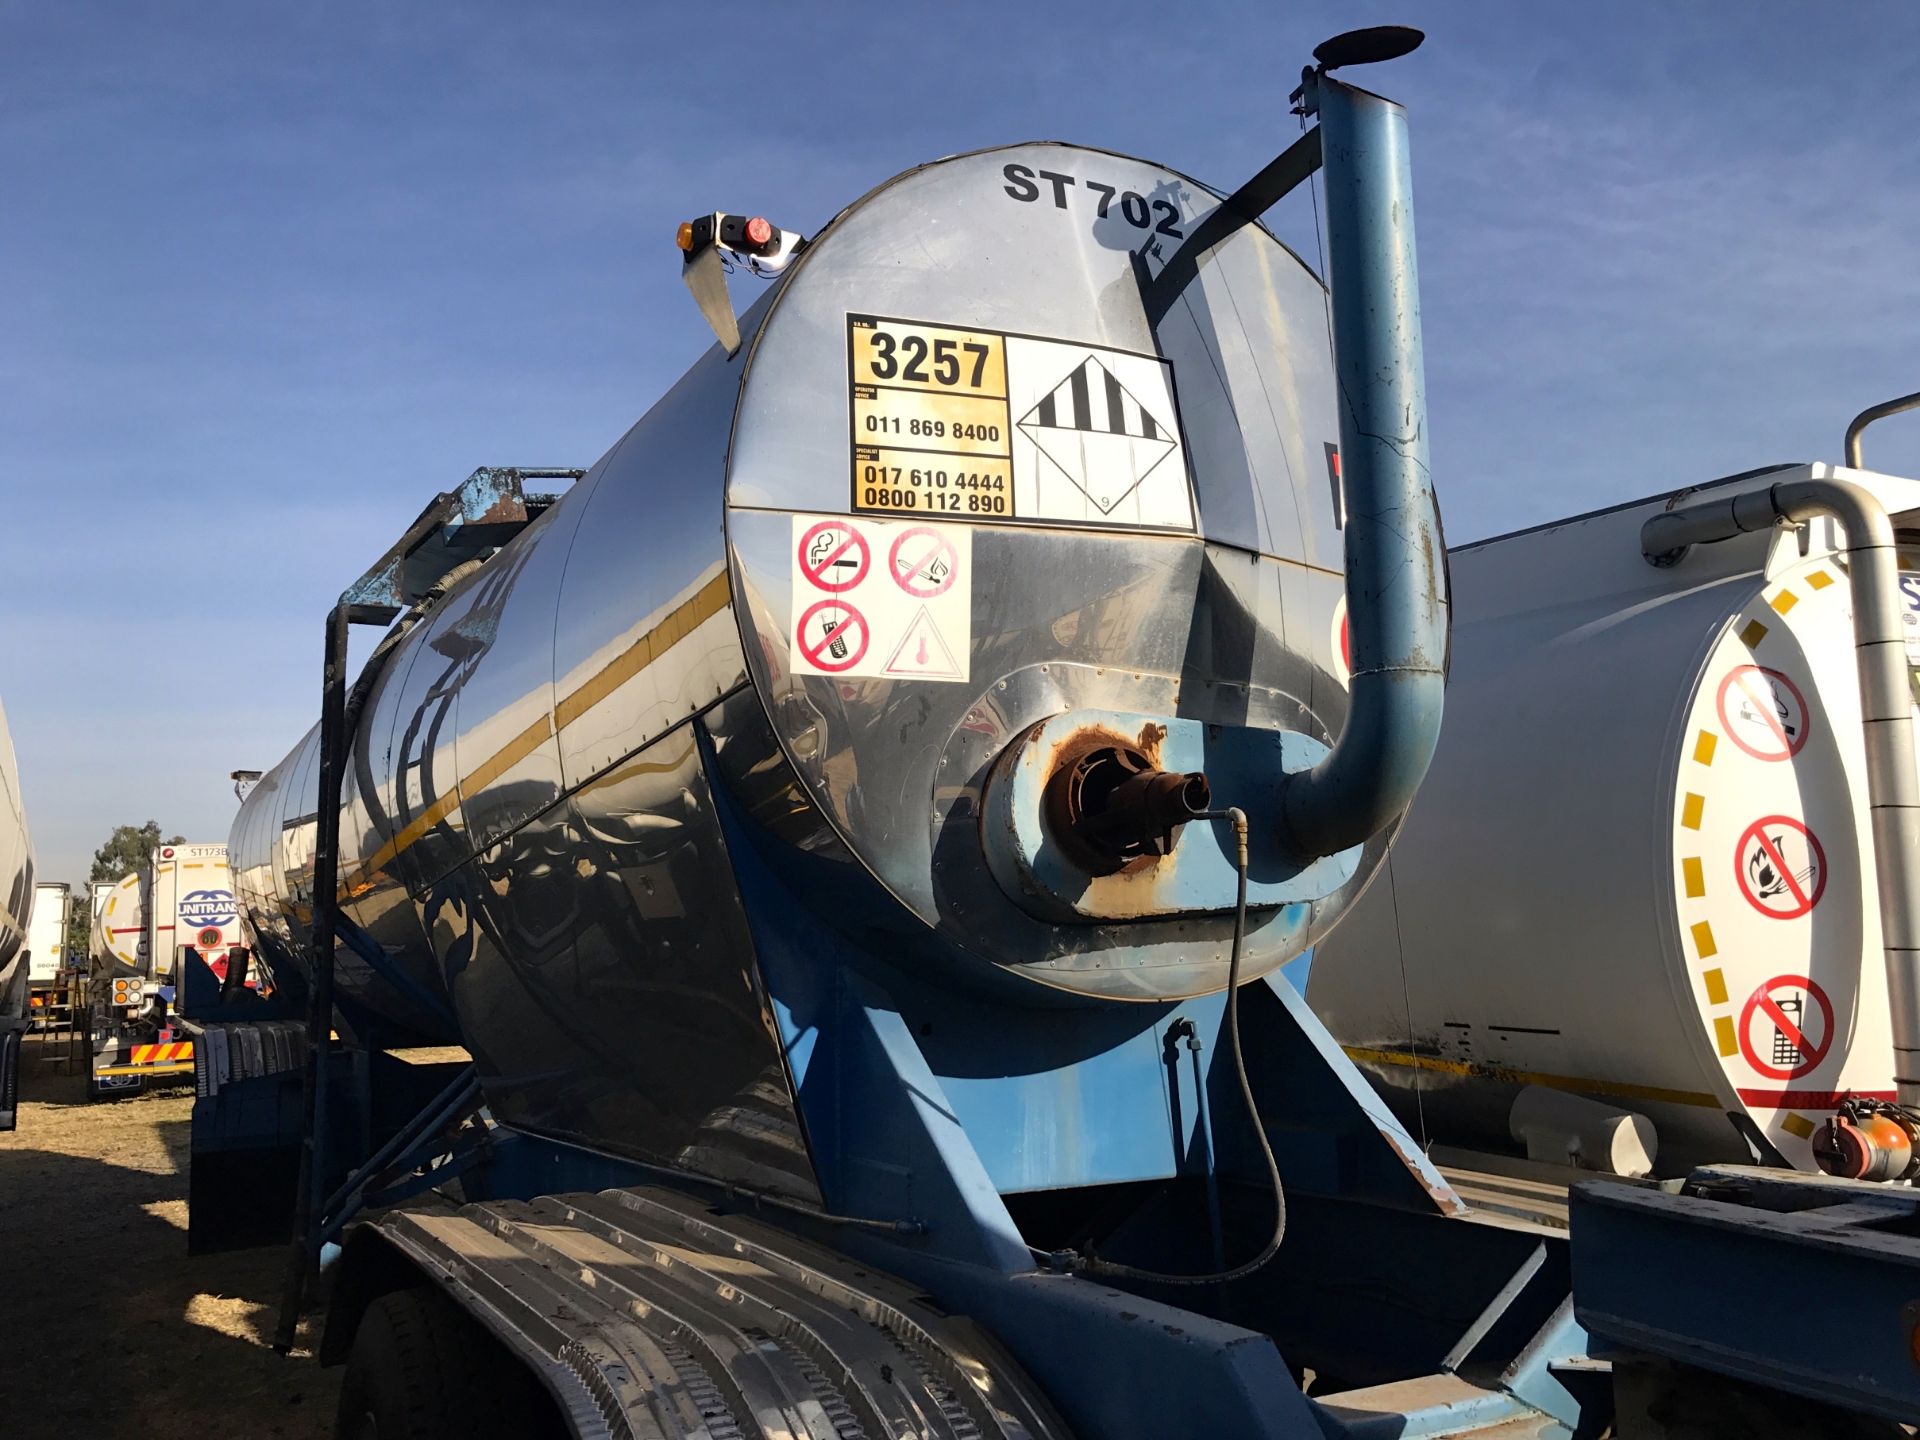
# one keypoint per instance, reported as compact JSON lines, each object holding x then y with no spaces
{"x":107,"y":1328}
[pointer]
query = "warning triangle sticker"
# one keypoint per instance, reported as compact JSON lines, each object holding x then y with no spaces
{"x":924,"y":653}
{"x":1097,"y":434}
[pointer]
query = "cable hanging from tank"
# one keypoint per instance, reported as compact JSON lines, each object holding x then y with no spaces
{"x":1090,"y":1264}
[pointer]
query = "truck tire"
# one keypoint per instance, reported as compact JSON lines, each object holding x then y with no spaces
{"x":421,"y":1370}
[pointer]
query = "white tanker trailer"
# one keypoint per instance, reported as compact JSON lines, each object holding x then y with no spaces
{"x":1643,"y":868}
{"x":16,"y":896}
{"x":181,"y":898}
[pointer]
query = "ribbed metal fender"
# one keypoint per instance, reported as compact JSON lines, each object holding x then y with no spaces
{"x":650,"y":1318}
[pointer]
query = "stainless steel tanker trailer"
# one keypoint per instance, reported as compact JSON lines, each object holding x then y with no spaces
{"x":853,"y":831}
{"x":16,"y":895}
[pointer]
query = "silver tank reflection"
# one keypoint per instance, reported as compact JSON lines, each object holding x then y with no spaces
{"x":530,"y":825}
{"x":16,"y":866}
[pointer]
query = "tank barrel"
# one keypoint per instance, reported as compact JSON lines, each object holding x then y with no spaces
{"x":1396,"y":586}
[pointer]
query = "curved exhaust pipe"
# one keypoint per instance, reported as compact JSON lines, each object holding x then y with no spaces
{"x":1396,"y":570}
{"x":1857,"y":426}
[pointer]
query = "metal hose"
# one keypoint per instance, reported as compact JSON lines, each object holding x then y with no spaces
{"x":1091,"y":1265}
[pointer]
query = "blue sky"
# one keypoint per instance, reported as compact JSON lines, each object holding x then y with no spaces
{"x":272,"y":274}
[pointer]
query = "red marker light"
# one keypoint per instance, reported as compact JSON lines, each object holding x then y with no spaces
{"x":759,"y":232}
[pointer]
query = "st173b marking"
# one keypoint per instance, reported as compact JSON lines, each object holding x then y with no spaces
{"x":1161,"y":217}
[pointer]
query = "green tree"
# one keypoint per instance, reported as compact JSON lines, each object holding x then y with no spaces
{"x":80,"y":928}
{"x":128,"y":849}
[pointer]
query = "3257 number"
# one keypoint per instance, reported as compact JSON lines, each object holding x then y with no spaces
{"x":911,"y":358}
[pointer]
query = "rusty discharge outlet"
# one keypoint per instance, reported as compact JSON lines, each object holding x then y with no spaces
{"x":1112,"y":809}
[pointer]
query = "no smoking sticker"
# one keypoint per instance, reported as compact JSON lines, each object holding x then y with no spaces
{"x":1786,"y":1027}
{"x":1763,"y":712}
{"x":882,"y":599}
{"x":833,"y":556}
{"x":1780,"y":866}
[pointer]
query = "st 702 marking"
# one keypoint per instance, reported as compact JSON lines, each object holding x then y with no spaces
{"x":1162,"y":217}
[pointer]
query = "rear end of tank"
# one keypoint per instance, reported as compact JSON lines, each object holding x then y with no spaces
{"x":534,"y":820}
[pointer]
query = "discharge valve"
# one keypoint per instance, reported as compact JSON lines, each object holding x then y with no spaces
{"x":1113,"y":805}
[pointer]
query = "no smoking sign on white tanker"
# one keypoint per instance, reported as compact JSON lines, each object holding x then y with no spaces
{"x":881,"y":599}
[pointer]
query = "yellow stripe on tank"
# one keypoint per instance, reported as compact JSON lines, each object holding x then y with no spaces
{"x":680,"y":622}
{"x":707,"y":602}
{"x":1616,"y":1089}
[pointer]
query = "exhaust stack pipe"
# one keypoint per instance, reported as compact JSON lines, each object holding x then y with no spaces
{"x":1396,"y":576}
{"x":1866,"y":417}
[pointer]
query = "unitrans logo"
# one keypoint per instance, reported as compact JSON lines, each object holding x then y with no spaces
{"x":207,"y":907}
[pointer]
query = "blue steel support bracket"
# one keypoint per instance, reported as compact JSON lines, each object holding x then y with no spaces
{"x":419,"y":1141}
{"x":374,"y":956}
{"x":1332,"y":1132}
{"x":1549,"y":1373}
{"x":1115,"y":1364}
{"x":1800,"y":1283}
{"x":885,"y":1141}
{"x":907,"y":1159}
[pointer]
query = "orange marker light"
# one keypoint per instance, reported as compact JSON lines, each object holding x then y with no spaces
{"x":683,"y":237}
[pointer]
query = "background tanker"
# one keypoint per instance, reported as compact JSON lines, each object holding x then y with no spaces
{"x":182,"y":896}
{"x":1642,"y":868}
{"x":16,"y":896}
{"x":16,"y":856}
{"x":950,"y":592}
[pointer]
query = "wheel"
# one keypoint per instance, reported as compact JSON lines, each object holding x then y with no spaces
{"x":421,"y":1370}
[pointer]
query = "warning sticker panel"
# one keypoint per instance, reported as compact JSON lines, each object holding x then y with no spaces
{"x":983,"y":425}
{"x":881,"y":598}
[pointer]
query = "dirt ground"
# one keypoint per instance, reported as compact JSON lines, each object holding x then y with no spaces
{"x":107,"y":1328}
